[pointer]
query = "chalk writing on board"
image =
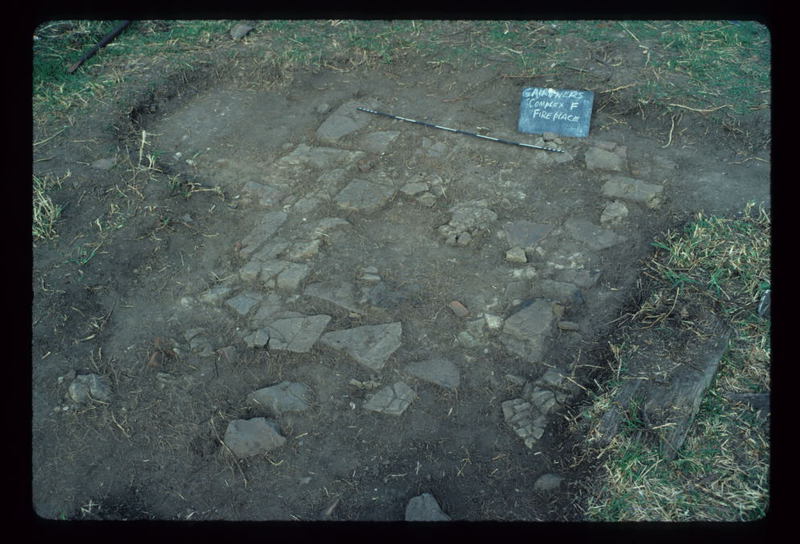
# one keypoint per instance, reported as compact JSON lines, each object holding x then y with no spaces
{"x":564,"y":112}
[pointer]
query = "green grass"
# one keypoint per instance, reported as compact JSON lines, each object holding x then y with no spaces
{"x":721,"y":472}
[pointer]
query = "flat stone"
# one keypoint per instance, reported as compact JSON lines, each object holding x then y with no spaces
{"x":244,"y":302}
{"x":594,"y":236}
{"x":544,"y":400}
{"x":370,"y":345}
{"x":471,"y":215}
{"x":297,"y":334}
{"x":425,"y":508}
{"x":582,"y":278}
{"x":427,"y":199}
{"x":439,"y":371}
{"x":88,"y":387}
{"x":290,"y":278}
{"x":493,"y":322}
{"x":458,"y":309}
{"x":614,"y":213}
{"x":270,"y":305}
{"x":601,"y":159}
{"x":560,"y":291}
{"x":363,"y":196}
{"x":345,"y":120}
{"x":266,"y":195}
{"x":634,"y":190}
{"x":249,"y":437}
{"x":568,"y":326}
{"x":340,"y":294}
{"x":516,"y":255}
{"x":525,"y":234}
{"x":264,"y":229}
{"x":283,"y":397}
{"x":306,"y":205}
{"x":257,"y":339}
{"x":323,"y":158}
{"x":379,"y":142}
{"x":526,"y":331}
{"x":329,"y":224}
{"x":548,"y":482}
{"x":392,"y":399}
{"x":303,"y":251}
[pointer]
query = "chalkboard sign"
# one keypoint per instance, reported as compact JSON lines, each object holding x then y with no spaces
{"x":559,"y":111}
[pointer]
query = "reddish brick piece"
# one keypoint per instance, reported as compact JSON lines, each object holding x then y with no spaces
{"x":459,"y":309}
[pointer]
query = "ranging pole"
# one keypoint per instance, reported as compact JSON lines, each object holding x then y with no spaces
{"x":458,"y":131}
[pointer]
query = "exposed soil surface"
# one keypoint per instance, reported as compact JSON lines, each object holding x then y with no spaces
{"x":279,"y":222}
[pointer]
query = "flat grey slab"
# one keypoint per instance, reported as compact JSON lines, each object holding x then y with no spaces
{"x":370,"y":345}
{"x":345,"y":120}
{"x":526,"y":331}
{"x":392,"y":399}
{"x":363,"y":196}
{"x":634,"y":190}
{"x":338,"y":293}
{"x":263,"y":230}
{"x":442,"y":372}
{"x":379,"y":142}
{"x":297,"y":334}
{"x":249,"y":437}
{"x":602,"y":159}
{"x":525,"y":234}
{"x":592,"y":235}
{"x":243,"y":302}
{"x":283,"y":397}
{"x":425,"y":508}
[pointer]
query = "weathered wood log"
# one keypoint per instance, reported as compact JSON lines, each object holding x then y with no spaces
{"x":661,"y":393}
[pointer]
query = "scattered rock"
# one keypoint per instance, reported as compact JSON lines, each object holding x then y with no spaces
{"x":516,"y":255}
{"x":425,"y":508}
{"x":634,"y":190}
{"x":568,"y":326}
{"x":548,"y":482}
{"x":528,"y":424}
{"x":249,"y":437}
{"x":597,"y":238}
{"x":297,"y":334}
{"x":493,"y":322}
{"x":414,"y":188}
{"x":439,"y":371}
{"x":614,"y":213}
{"x":468,"y":218}
{"x":283,"y":397}
{"x":88,"y":387}
{"x":241,"y":30}
{"x":369,"y":274}
{"x":303,"y":251}
{"x":560,"y":291}
{"x":392,"y":399}
{"x":370,"y":345}
{"x":363,"y":196}
{"x":215,"y":294}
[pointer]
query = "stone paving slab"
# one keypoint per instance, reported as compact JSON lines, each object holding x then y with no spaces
{"x":526,"y":331}
{"x":363,"y":196}
{"x":441,"y":372}
{"x":266,"y":227}
{"x":392,"y":399}
{"x":345,"y":120}
{"x":370,"y":345}
{"x":284,"y":397}
{"x":249,"y":437}
{"x":297,"y":334}
{"x":340,"y":294}
{"x":525,"y":234}
{"x":648,"y":194}
{"x":594,"y":236}
{"x":425,"y":508}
